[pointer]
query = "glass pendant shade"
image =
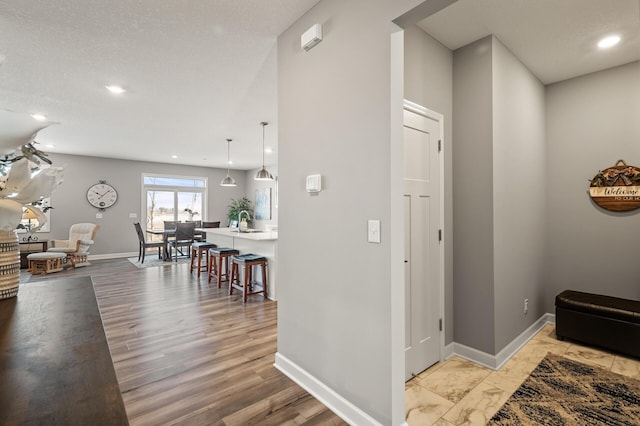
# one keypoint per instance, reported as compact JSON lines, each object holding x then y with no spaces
{"x":263,"y":174}
{"x":228,"y":181}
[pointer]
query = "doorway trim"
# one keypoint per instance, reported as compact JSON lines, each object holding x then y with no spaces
{"x":436,"y":116}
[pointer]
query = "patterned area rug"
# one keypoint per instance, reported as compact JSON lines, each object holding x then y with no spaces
{"x":561,"y":391}
{"x":152,"y":261}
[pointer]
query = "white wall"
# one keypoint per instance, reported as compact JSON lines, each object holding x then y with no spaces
{"x":592,"y":121}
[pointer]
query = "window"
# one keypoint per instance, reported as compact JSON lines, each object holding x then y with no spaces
{"x":173,"y":198}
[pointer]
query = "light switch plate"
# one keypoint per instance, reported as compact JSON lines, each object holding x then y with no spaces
{"x":98,"y":215}
{"x":133,"y":215}
{"x":373,"y":227}
{"x":314,"y":183}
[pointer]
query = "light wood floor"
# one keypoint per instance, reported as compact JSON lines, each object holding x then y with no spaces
{"x":185,"y":353}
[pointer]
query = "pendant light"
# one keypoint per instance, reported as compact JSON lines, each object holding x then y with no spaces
{"x":263,"y":174}
{"x":228,"y":181}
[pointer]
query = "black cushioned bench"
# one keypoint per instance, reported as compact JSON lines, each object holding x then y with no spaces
{"x":605,"y":321}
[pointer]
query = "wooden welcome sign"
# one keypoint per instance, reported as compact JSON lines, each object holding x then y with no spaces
{"x":617,"y":188}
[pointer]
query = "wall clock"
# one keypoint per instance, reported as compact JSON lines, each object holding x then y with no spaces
{"x":102,"y":195}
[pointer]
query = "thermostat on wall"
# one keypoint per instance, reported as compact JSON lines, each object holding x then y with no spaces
{"x":311,"y":37}
{"x":314,"y":183}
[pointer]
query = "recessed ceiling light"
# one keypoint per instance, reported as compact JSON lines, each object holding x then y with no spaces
{"x":39,"y":117}
{"x":268,"y":150}
{"x":50,"y":146}
{"x":117,"y":90}
{"x":609,"y":41}
{"x":174,"y":156}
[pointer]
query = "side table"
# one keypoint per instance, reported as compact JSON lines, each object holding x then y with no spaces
{"x":28,"y":247}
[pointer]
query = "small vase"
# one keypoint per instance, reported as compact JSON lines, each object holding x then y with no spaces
{"x":9,"y":264}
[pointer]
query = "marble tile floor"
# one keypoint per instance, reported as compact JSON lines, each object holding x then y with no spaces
{"x":459,"y":392}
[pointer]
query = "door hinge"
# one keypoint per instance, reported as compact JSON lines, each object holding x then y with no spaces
{"x":440,"y":324}
{"x":439,"y":145}
{"x":439,"y":234}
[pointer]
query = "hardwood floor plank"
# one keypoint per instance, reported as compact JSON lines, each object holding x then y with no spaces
{"x":185,"y":353}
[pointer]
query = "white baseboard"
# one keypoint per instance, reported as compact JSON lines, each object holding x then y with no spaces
{"x":448,"y":351}
{"x":494,"y":362}
{"x":355,"y":416}
{"x":330,"y":398}
{"x":112,"y":255}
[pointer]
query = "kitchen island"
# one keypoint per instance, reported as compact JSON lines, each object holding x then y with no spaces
{"x":263,"y":243}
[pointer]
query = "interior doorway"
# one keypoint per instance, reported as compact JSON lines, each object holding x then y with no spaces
{"x":423,"y":188}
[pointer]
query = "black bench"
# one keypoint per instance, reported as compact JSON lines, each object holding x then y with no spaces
{"x":608,"y":322}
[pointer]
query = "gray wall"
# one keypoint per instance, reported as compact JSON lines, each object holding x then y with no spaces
{"x":334,"y":310}
{"x":473,"y":254}
{"x":116,"y":233}
{"x":499,"y":197}
{"x":519,"y":176}
{"x":251,"y":187}
{"x":428,"y":81}
{"x":592,"y":121}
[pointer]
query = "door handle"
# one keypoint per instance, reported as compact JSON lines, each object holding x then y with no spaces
{"x":406,"y":261}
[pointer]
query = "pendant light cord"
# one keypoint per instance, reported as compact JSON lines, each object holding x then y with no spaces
{"x":228,"y":164}
{"x":264,"y":124}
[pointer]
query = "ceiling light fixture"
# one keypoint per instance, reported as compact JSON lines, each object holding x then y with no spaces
{"x":608,"y":42}
{"x":228,"y":181}
{"x":263,"y":174}
{"x":39,"y":117}
{"x":116,"y":90}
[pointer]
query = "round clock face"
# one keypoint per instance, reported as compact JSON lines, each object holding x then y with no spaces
{"x":102,"y":195}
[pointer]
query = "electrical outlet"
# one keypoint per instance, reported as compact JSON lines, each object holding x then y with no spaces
{"x":526,"y":306}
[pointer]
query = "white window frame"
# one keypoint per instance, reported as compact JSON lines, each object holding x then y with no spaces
{"x":144,"y":188}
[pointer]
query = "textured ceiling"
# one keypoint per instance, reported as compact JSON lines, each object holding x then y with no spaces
{"x":555,"y":39}
{"x":196,"y":73}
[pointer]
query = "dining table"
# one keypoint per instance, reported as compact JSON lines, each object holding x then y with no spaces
{"x":166,"y":234}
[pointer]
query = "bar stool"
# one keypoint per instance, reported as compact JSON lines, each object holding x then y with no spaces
{"x":247,"y":285}
{"x":219,"y":262}
{"x":199,"y":249}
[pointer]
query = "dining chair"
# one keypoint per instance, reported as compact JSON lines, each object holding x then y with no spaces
{"x":208,"y":225}
{"x":184,"y":238}
{"x":198,"y":223}
{"x":170,"y":224}
{"x":144,"y":244}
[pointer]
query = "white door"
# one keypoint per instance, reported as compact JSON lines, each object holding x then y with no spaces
{"x":422,"y":242}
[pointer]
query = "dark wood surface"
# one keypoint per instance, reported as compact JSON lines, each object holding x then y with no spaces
{"x":186,"y":353}
{"x":55,"y":365}
{"x":28,"y":247}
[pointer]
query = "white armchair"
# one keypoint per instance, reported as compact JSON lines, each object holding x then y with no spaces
{"x":76,"y":248}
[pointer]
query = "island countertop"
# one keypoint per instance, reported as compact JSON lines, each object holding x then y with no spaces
{"x":264,"y":243}
{"x":252,"y":235}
